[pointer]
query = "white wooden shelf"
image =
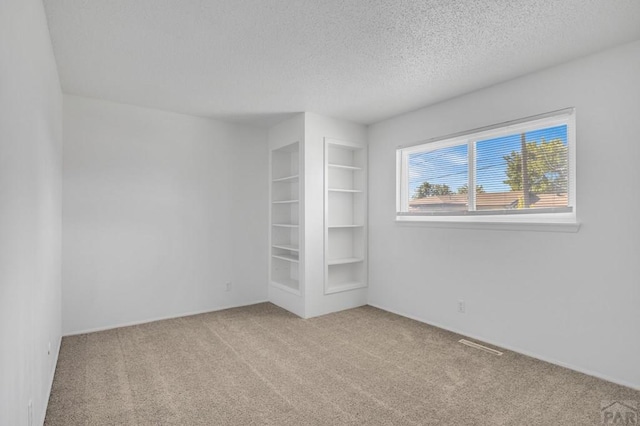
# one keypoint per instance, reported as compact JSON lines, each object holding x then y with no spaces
{"x":287,"y":284}
{"x":349,"y":285}
{"x":344,"y":226}
{"x":344,"y":260}
{"x":285,"y":247}
{"x":344,"y":190}
{"x":286,"y":202}
{"x":292,"y":178}
{"x":287,"y":257}
{"x":285,"y":225}
{"x":343,"y":166}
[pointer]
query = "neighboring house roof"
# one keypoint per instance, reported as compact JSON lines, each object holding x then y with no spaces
{"x":487,"y":201}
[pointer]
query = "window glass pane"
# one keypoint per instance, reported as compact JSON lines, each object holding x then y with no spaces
{"x":505,"y":179}
{"x":438,"y":180}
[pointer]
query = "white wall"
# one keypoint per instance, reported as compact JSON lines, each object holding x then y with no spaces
{"x":30,"y":173}
{"x":160,"y":211}
{"x":583,"y":309}
{"x":249,"y":214}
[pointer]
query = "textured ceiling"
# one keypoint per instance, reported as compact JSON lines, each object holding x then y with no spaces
{"x":362,"y":60}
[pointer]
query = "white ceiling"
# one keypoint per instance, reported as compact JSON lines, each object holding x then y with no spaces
{"x":361,"y":60}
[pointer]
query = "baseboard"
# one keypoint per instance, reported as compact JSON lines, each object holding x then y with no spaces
{"x":634,"y":386}
{"x":51,"y":376}
{"x":148,"y":320}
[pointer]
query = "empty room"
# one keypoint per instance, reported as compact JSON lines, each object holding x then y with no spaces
{"x":281,"y":212}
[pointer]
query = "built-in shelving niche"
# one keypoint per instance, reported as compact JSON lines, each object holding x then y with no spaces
{"x":345,"y":216}
{"x":285,"y":214}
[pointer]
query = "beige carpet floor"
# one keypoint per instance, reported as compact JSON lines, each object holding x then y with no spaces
{"x":260,"y":365}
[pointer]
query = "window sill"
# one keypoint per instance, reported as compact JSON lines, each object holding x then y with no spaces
{"x":570,"y":227}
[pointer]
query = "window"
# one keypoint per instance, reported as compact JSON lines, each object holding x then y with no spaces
{"x":516,"y":172}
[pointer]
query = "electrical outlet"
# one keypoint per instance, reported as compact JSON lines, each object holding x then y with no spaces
{"x":229,"y":286}
{"x":461,"y":306}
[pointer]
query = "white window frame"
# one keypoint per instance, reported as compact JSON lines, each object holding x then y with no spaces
{"x":560,"y":220}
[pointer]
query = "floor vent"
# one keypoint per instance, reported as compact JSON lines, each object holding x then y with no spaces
{"x":478,"y":346}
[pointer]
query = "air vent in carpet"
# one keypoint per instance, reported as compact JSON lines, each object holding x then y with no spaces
{"x":478,"y":346}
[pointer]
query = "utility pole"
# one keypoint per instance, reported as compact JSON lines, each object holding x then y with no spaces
{"x":526,"y":185}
